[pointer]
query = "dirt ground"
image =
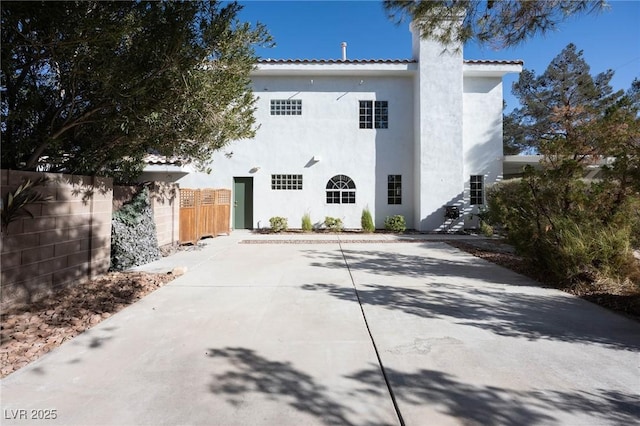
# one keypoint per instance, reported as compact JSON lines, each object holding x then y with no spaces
{"x":28,"y":332}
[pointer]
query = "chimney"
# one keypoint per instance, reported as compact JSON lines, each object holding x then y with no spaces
{"x":344,"y":50}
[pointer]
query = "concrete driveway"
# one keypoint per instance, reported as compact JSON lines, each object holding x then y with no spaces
{"x":326,"y":333}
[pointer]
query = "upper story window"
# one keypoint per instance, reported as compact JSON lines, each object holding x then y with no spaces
{"x":341,"y":190}
{"x":394,"y":189}
{"x":286,"y":107}
{"x":476,"y":189}
{"x":286,"y":182}
{"x":374,"y":114}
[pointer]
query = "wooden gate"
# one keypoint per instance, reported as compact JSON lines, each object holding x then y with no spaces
{"x":204,"y":213}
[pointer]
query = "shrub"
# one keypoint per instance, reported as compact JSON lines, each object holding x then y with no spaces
{"x":133,"y":234}
{"x":333,"y":224}
{"x":367,"y":221}
{"x":571,"y":231}
{"x":307,"y":226}
{"x":395,"y":223}
{"x":278,"y":224}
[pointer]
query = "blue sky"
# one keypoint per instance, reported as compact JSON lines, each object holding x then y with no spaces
{"x":315,"y":29}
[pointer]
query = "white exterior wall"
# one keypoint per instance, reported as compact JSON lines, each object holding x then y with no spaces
{"x":482,"y":135}
{"x":438,"y":140}
{"x":327,"y":129}
{"x":445,"y":124}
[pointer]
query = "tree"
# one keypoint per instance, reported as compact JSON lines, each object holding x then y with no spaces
{"x":560,"y":107}
{"x":91,"y":87}
{"x":498,"y":23}
{"x":571,"y":229}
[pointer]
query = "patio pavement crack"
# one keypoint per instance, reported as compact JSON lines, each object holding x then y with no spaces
{"x":373,"y":342}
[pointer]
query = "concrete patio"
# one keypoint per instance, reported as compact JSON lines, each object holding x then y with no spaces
{"x":333,"y":330}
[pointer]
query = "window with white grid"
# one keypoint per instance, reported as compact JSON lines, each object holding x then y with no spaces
{"x":374,"y":114}
{"x":476,"y":189}
{"x":286,"y":107}
{"x":341,"y":190}
{"x":394,"y":189}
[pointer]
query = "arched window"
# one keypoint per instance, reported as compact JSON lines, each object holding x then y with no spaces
{"x":341,"y":190}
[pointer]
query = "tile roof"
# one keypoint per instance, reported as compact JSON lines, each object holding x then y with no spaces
{"x":493,"y":62}
{"x":336,"y":61}
{"x":379,"y":61}
{"x":163,"y":160}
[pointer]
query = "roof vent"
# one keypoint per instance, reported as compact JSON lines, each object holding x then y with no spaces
{"x":344,"y":50}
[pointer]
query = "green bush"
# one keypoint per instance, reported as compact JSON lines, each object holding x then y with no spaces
{"x":570,"y":230}
{"x":307,"y":226}
{"x":278,"y":224}
{"x":366,"y":221}
{"x":333,"y":224}
{"x":395,"y":223}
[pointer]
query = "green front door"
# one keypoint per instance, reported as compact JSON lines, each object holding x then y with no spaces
{"x":242,"y":203}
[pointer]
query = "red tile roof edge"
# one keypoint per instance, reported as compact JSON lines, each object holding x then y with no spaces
{"x":379,"y":61}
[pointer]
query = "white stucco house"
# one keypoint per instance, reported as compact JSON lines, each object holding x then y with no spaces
{"x":406,"y":137}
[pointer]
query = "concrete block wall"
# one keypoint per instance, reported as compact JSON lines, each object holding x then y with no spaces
{"x":165,"y":202}
{"x":67,"y":241}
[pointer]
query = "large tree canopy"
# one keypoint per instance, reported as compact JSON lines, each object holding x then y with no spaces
{"x":91,"y":87}
{"x":497,"y":23}
{"x":562,"y":108}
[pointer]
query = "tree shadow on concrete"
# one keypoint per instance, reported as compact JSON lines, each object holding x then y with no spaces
{"x":533,"y":317}
{"x":490,"y":302}
{"x":279,"y":381}
{"x":450,"y":263}
{"x":491,"y":405}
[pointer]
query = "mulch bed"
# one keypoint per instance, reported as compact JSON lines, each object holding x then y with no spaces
{"x":28,"y":332}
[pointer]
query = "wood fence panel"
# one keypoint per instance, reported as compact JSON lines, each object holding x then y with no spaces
{"x":204,"y":213}
{"x":189,"y":200}
{"x":207,"y":218}
{"x":223,"y":211}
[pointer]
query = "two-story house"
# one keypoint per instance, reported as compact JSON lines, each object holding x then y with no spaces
{"x":407,"y":137}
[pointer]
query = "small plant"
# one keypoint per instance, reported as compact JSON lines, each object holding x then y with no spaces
{"x":395,"y":223}
{"x":486,"y":229}
{"x":307,"y":226}
{"x":14,"y":206}
{"x":278,"y":224}
{"x":367,"y":221}
{"x":333,"y":224}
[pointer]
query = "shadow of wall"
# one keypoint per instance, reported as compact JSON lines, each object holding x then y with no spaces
{"x":68,"y":239}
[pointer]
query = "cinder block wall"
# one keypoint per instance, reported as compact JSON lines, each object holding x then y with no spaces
{"x":67,"y":241}
{"x":165,"y":202}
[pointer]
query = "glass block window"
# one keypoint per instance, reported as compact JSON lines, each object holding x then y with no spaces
{"x":394,"y":189}
{"x":286,"y":107}
{"x":476,"y":189}
{"x":286,"y":182}
{"x":341,"y":190}
{"x":374,"y":114}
